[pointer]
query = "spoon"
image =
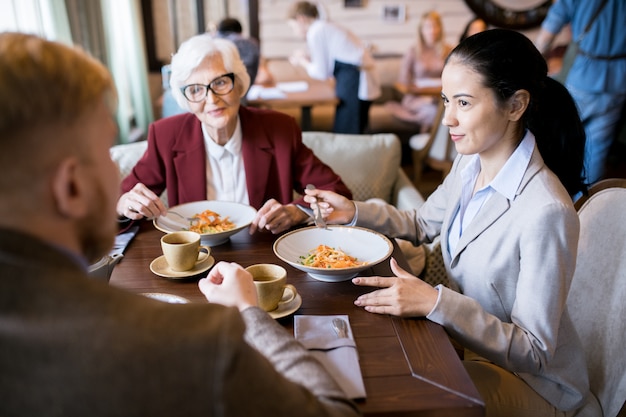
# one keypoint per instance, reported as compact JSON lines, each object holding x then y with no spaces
{"x":341,"y":328}
{"x":319,"y":220}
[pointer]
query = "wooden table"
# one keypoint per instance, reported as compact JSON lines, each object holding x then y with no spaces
{"x":429,"y":90}
{"x":409,"y":365}
{"x":318,"y":93}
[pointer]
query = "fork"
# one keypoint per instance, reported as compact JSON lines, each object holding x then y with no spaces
{"x":319,"y":220}
{"x":189,"y":219}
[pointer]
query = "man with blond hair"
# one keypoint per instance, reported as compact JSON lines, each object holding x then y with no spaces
{"x":71,"y":346}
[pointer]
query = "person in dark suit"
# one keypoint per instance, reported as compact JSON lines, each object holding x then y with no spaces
{"x":73,"y":346}
{"x":221,"y":150}
{"x":249,"y":51}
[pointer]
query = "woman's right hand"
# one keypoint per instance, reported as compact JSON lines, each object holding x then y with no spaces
{"x":140,"y":202}
{"x":335,"y":208}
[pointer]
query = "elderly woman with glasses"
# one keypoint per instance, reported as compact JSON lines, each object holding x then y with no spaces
{"x":221,"y":150}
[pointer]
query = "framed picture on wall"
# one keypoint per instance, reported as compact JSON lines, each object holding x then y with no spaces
{"x":353,"y":3}
{"x":395,"y":13}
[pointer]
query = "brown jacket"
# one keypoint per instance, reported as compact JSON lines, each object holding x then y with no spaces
{"x":71,"y":346}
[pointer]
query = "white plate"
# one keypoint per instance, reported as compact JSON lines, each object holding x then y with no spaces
{"x":240,"y":214}
{"x":160,"y":267}
{"x":285,"y":309}
{"x":166,"y":298}
{"x":366,"y":245}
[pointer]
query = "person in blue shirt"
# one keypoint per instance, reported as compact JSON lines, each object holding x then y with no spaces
{"x":597,"y":77}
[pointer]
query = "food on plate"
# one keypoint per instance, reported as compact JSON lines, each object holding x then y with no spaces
{"x":210,"y":222}
{"x":328,"y":257}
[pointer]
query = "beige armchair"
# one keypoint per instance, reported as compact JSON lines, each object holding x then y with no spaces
{"x":596,"y":298}
{"x":368,"y":164}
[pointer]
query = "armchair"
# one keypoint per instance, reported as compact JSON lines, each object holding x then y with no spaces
{"x":368,"y":164}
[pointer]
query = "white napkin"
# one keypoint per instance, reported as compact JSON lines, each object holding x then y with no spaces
{"x":339,"y":356}
{"x":293,"y":86}
{"x":267,"y":93}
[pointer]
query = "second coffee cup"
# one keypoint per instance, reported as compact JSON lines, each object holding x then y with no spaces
{"x":182,"y":250}
{"x":271,"y":285}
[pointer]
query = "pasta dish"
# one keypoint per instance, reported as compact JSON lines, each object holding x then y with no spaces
{"x":327,"y":257}
{"x":210,"y":222}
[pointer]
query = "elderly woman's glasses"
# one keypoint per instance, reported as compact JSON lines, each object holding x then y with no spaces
{"x":220,"y":86}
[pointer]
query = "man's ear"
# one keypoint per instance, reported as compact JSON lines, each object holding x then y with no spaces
{"x":69,"y":189}
{"x":518,"y":103}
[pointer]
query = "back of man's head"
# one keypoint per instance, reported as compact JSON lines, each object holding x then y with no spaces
{"x":229,"y":25}
{"x":43,"y":85}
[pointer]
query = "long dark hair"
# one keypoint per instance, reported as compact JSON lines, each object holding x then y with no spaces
{"x":508,"y":61}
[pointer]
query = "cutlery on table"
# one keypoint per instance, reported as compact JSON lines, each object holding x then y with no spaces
{"x":319,"y":220}
{"x":341,"y":328}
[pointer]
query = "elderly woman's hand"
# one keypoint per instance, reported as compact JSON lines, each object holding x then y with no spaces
{"x":140,"y":202}
{"x":276,"y":217}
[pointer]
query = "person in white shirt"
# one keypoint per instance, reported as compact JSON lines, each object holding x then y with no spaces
{"x":334,"y":51}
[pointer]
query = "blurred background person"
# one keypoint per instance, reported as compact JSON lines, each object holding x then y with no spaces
{"x":221,"y":150}
{"x":474,"y":26}
{"x":420,"y":74}
{"x":249,"y":51}
{"x":597,"y":76}
{"x":334,"y":51}
{"x":73,"y":346}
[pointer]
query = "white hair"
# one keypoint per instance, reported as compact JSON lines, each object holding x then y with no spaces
{"x":191,"y":54}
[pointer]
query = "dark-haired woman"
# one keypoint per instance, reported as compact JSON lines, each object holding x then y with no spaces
{"x":508,"y":230}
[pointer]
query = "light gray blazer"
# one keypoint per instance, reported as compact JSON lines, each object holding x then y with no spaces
{"x":510,"y":276}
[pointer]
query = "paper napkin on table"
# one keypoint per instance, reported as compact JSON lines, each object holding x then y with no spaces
{"x":338,"y":355}
{"x":266,"y":93}
{"x":293,"y":86}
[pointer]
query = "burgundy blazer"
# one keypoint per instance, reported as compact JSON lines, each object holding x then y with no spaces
{"x":276,"y":161}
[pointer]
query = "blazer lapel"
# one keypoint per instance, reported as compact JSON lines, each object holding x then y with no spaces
{"x":189,"y":159}
{"x":493,"y":209}
{"x":257,"y":154}
{"x":489,"y":213}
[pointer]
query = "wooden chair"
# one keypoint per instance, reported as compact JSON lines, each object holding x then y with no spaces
{"x":596,"y":298}
{"x":433,"y":149}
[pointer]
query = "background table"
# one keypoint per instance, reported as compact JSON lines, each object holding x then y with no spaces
{"x":317,"y":93}
{"x":409,"y":366}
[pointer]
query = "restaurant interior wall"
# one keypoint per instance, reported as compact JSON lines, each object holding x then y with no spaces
{"x":174,"y":21}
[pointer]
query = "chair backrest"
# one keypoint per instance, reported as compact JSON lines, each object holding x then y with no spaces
{"x":597,"y":298}
{"x":126,"y":155}
{"x":367,"y":164}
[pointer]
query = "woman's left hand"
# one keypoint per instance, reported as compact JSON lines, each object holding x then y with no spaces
{"x":403,"y":295}
{"x":277,"y":218}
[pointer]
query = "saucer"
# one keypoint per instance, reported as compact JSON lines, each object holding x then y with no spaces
{"x":285,"y":309}
{"x":160,"y":267}
{"x":166,"y":298}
